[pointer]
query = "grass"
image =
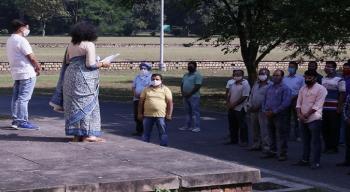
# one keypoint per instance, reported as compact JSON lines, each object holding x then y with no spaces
{"x":116,"y":86}
{"x":141,"y":53}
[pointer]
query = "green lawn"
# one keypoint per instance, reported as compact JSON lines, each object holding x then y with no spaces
{"x":116,"y":86}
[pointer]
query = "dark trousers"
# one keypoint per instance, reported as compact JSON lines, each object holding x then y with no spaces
{"x":278,"y":132}
{"x":347,"y":143}
{"x":237,"y":126}
{"x":311,"y":137}
{"x":139,"y":124}
{"x":330,"y":129}
{"x":293,"y":125}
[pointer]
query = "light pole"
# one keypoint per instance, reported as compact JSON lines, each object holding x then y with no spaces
{"x":162,"y":65}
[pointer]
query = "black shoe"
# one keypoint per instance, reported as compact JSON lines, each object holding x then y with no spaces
{"x":268,"y":155}
{"x":282,"y":158}
{"x":229,"y":143}
{"x":136,"y":134}
{"x":343,"y":164}
{"x":302,"y":163}
{"x":315,"y":166}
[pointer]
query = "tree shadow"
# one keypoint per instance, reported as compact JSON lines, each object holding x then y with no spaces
{"x":44,"y":139}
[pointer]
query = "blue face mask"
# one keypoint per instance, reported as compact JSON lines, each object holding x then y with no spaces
{"x":292,"y":70}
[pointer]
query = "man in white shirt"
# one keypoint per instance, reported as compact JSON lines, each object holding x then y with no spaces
{"x":24,"y":69}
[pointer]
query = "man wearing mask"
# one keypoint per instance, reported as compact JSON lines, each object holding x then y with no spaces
{"x":346,"y":116}
{"x":24,"y":69}
{"x":141,"y":81}
{"x":155,"y":107}
{"x":236,"y":101}
{"x":191,"y":83}
{"x":294,"y":81}
{"x":312,"y":66}
{"x":332,"y":107}
{"x":275,"y":107}
{"x":309,"y":108}
{"x":258,"y":132}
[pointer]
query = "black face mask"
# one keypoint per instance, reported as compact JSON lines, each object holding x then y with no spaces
{"x":191,"y":69}
{"x":308,"y":82}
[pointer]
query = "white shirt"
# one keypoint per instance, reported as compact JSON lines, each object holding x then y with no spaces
{"x":17,"y":48}
{"x":238,"y":90}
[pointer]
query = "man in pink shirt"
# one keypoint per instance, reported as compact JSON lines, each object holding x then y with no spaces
{"x":309,"y":109}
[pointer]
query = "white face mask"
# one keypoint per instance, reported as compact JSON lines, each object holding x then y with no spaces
{"x":262,"y":77}
{"x":238,"y":78}
{"x":144,"y":72}
{"x":26,"y":32}
{"x":156,"y":82}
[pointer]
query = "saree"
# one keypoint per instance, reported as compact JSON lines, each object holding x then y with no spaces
{"x":80,"y":98}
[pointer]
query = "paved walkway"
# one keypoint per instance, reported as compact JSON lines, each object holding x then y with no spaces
{"x":118,"y":123}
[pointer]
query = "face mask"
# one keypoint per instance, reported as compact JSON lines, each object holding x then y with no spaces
{"x":144,"y":72}
{"x":329,"y":70}
{"x":275,"y":80}
{"x":191,"y":69}
{"x":238,"y":78}
{"x":26,"y":32}
{"x":309,"y":82}
{"x":346,"y":72}
{"x":292,"y":70}
{"x":262,"y":77}
{"x":156,"y":83}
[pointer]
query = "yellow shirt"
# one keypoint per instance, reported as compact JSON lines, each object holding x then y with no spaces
{"x":155,"y":100}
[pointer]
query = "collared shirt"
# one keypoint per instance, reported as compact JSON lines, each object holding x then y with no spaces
{"x":258,"y":93}
{"x":189,"y":80}
{"x":294,"y":83}
{"x":155,"y":101}
{"x":278,"y":98}
{"x":140,"y":82}
{"x":312,"y":98}
{"x":334,"y":85}
{"x":346,"y":110}
{"x":17,"y":48}
{"x":237,"y":91}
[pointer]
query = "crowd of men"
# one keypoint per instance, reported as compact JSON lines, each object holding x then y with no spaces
{"x":311,"y":108}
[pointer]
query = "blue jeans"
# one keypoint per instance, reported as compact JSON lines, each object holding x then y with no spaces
{"x":311,"y":137}
{"x":148,"y":123}
{"x":22,"y":93}
{"x":192,"y":111}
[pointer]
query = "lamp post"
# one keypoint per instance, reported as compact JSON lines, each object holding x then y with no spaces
{"x":162,"y":65}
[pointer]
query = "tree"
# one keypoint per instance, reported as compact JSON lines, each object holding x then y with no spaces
{"x":262,"y":25}
{"x":42,"y":10}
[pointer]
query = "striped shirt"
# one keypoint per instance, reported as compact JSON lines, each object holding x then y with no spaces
{"x":334,"y":86}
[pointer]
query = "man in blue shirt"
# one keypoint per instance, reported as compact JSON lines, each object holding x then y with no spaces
{"x":275,"y":106}
{"x":191,"y":83}
{"x":141,"y":81}
{"x":294,"y":81}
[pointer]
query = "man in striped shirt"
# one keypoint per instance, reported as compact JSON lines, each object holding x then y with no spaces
{"x":332,"y":107}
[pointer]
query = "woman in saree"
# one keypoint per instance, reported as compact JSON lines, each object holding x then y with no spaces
{"x":80,"y":81}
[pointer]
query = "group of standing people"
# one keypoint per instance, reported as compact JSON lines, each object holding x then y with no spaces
{"x":305,"y":108}
{"x":264,"y":116}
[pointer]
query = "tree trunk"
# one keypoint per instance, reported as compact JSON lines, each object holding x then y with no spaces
{"x":43,"y":27}
{"x":252,"y":73}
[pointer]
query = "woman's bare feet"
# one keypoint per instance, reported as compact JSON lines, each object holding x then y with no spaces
{"x":93,"y":139}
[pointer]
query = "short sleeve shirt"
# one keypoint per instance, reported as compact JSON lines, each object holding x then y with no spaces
{"x":189,"y":80}
{"x":141,"y":82}
{"x":237,"y":91}
{"x":229,"y":83}
{"x":334,"y":86}
{"x":155,"y":101}
{"x":17,"y":48}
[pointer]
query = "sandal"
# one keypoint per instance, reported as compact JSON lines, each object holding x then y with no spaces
{"x":93,"y":139}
